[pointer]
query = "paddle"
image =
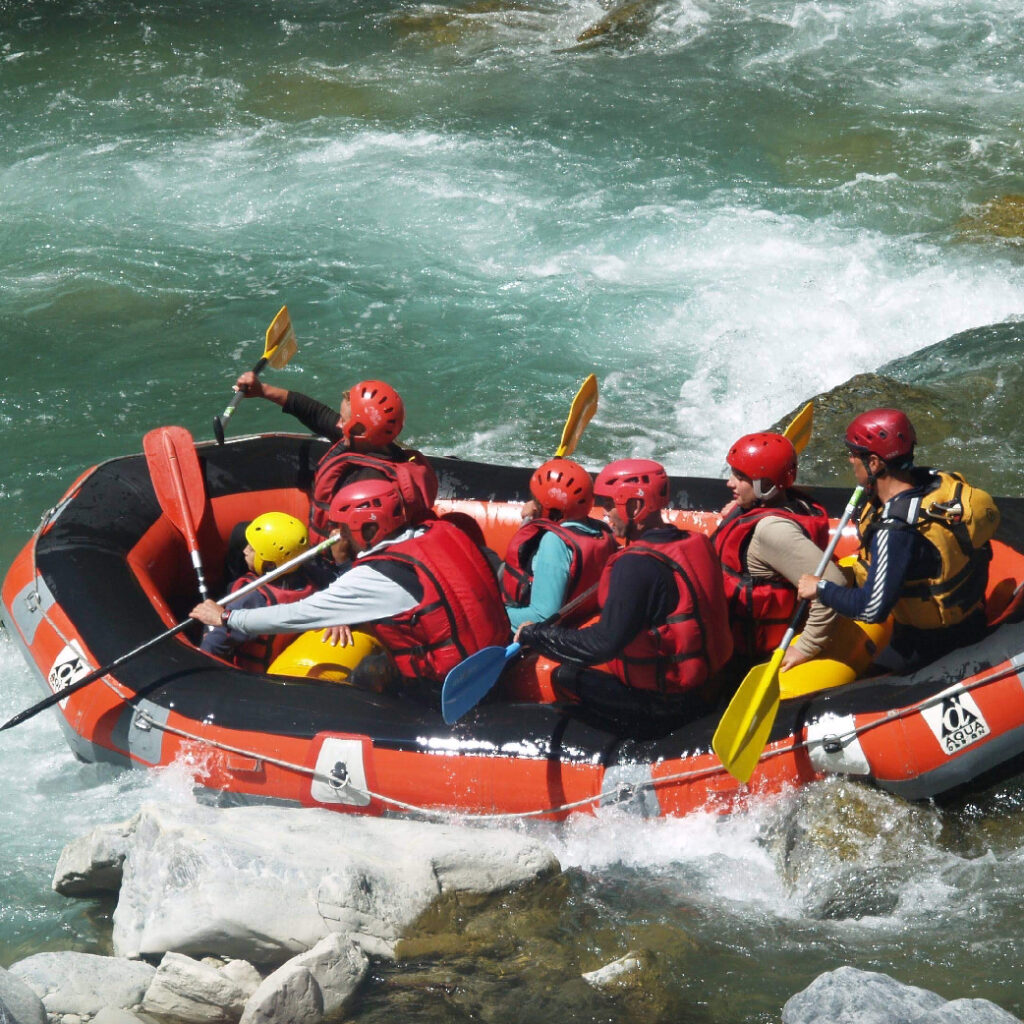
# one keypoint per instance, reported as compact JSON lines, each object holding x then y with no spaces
{"x":581,"y":412}
{"x":473,"y":678}
{"x":798,"y":432}
{"x":743,"y":731}
{"x":280,"y":347}
{"x":78,"y":684}
{"x":179,"y":486}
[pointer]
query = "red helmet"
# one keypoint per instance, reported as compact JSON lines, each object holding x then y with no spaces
{"x":563,"y":489}
{"x":764,"y":458}
{"x":369,"y":503}
{"x":377,"y":415}
{"x":642,"y":479}
{"x":886,"y":433}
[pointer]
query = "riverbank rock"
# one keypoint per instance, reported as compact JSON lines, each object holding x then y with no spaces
{"x":264,"y":884}
{"x":18,"y":1003}
{"x":852,"y":996}
{"x":192,"y":992}
{"x":92,"y":864}
{"x":84,"y":983}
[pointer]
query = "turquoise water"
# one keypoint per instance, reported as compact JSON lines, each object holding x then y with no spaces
{"x":722,"y":209}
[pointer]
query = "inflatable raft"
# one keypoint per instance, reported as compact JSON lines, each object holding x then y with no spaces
{"x":106,"y":572}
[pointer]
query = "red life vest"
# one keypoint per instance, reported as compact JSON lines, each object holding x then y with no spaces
{"x":460,"y":613}
{"x":760,"y":609}
{"x":589,"y":553}
{"x":257,"y":653}
{"x":694,"y":641}
{"x":404,"y":466}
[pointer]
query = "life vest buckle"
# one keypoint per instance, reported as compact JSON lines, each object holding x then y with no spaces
{"x":949,"y":512}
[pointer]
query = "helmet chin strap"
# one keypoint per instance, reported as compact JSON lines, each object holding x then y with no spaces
{"x":760,"y":493}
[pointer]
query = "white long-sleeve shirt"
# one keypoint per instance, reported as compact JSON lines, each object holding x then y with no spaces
{"x":362,"y":594}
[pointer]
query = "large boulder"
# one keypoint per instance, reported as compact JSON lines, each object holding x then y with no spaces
{"x":264,"y":884}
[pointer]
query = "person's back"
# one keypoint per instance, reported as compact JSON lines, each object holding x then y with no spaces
{"x":649,"y":661}
{"x":364,"y":431}
{"x":557,"y":556}
{"x":460,"y":610}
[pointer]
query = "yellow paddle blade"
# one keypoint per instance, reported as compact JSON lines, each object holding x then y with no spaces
{"x":743,"y":731}
{"x":799,"y":430}
{"x":281,"y":344}
{"x":581,"y":412}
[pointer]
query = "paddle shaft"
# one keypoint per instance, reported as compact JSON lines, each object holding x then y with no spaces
{"x":801,"y":608}
{"x":239,"y":395}
{"x":79,"y":684}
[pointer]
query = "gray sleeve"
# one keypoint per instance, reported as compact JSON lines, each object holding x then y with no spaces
{"x":360,"y":595}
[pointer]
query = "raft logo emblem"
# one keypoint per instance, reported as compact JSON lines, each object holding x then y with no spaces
{"x":957,"y":722}
{"x":69,"y":667}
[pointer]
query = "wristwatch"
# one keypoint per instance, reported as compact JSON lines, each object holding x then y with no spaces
{"x":224,"y":616}
{"x":818,"y":588}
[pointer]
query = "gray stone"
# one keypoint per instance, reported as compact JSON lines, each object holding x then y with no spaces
{"x":291,"y":993}
{"x":116,"y":1015}
{"x":313,"y":986}
{"x":93,"y":863}
{"x":851,"y":996}
{"x":189,"y":992}
{"x":83,"y":983}
{"x":264,"y":884}
{"x":968,"y":1011}
{"x":18,"y":1003}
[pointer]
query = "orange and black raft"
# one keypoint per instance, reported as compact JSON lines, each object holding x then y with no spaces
{"x":107,"y":571}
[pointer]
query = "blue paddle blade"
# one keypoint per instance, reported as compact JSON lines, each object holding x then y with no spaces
{"x":471,"y":680}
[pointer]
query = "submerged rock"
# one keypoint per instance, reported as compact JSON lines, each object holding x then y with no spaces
{"x":999,"y":217}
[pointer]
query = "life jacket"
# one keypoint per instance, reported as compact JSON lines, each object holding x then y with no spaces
{"x":760,"y":608}
{"x":958,"y":521}
{"x":694,"y":642}
{"x":258,"y":652}
{"x":406,"y":467}
{"x":589,"y":552}
{"x":460,"y":613}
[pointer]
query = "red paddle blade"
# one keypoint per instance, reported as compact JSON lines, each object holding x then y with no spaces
{"x":177,"y":476}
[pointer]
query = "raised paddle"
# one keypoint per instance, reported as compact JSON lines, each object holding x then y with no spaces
{"x":581,"y":412}
{"x":78,"y":684}
{"x":473,"y":678}
{"x":280,"y":347}
{"x":743,"y":731}
{"x":178,"y":482}
{"x":798,"y":431}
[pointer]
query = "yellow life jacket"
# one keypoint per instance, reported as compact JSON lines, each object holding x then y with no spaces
{"x":958,"y":521}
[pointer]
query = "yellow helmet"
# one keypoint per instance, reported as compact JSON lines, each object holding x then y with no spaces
{"x":276,"y":538}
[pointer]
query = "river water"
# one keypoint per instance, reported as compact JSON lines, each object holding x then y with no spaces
{"x":720,"y":208}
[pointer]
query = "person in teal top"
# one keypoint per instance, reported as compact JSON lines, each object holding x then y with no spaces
{"x":558,"y":553}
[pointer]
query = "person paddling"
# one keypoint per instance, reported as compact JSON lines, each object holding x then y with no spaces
{"x":925,"y":547}
{"x":663,"y":631}
{"x":428,"y":593}
{"x":272,"y":539}
{"x":771,"y":534}
{"x":371,"y":417}
{"x":559,"y":551}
